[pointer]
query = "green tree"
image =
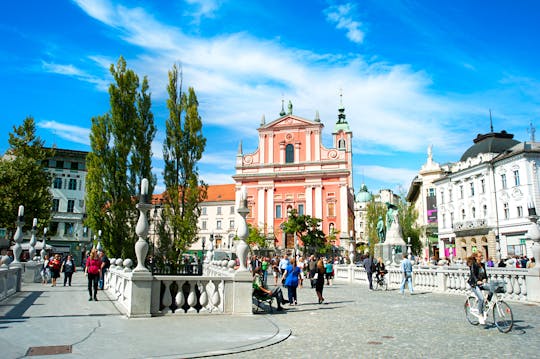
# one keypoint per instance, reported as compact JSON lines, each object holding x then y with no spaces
{"x":306,"y":229}
{"x":23,"y":179}
{"x":256,"y":237}
{"x":182,"y":150}
{"x":120,"y":158}
{"x":407,"y":219}
{"x":374,"y":210}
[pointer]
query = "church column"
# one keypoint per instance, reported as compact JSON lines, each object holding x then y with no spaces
{"x":343,"y":213}
{"x":318,"y":202}
{"x":308,"y":146}
{"x":262,"y":146}
{"x":282,"y":152}
{"x":270,"y":210}
{"x":309,"y":200}
{"x":260,"y":205}
{"x":270,"y":140}
{"x":317,"y":136}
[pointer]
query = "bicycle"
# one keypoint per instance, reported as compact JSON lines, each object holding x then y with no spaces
{"x":501,"y":312}
{"x":380,"y":283}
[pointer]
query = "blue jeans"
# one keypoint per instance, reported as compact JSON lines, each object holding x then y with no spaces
{"x":291,"y":291}
{"x":477,"y":291}
{"x":407,"y":277}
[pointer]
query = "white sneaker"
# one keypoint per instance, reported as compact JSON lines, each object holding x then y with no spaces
{"x":481,"y":320}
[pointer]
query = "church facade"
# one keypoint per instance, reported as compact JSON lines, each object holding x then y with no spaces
{"x":292,"y":169}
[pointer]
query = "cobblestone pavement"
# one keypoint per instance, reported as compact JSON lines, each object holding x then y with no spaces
{"x":358,"y":323}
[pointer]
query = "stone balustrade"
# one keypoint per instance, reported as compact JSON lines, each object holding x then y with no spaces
{"x":212,"y":293}
{"x":10,"y":281}
{"x":447,"y":279}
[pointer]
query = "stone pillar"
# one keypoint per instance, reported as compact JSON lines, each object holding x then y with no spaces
{"x":141,"y":246}
{"x":533,"y":275}
{"x":242,"y":303}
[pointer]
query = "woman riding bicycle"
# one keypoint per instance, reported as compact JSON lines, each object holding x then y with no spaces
{"x":477,"y":281}
{"x":380,"y":269}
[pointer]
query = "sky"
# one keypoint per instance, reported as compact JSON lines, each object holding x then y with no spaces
{"x":410,"y":73}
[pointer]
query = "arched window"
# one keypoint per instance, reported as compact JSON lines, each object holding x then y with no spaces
{"x":331,"y":228}
{"x":289,"y":153}
{"x":341,"y":144}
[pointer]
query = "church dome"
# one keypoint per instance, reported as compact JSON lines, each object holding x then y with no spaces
{"x":493,"y":142}
{"x":363,"y":195}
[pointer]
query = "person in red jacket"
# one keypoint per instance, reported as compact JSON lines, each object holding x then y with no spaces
{"x":54,"y":264}
{"x":93,"y":272}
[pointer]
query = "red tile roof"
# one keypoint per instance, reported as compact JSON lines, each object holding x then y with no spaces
{"x":216,"y":193}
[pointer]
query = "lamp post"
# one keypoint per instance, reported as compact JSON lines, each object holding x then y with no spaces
{"x":242,"y":247}
{"x":534,"y":232}
{"x":99,"y":246}
{"x":211,"y":250}
{"x":409,"y":250}
{"x":44,"y":248}
{"x":141,"y":246}
{"x":203,"y":243}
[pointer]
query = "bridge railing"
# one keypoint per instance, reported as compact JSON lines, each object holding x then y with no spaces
{"x":221,"y":290}
{"x":448,"y":279}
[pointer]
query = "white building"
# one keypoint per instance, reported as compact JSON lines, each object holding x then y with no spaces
{"x":483,"y":198}
{"x":66,"y":230}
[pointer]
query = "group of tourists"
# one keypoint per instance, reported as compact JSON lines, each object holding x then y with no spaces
{"x":290,"y":273}
{"x":53,"y":266}
{"x":95,"y":267}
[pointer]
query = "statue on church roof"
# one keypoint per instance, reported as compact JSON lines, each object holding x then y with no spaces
{"x":290,"y":107}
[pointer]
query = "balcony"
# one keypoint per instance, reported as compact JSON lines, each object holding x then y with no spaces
{"x":472,"y":227}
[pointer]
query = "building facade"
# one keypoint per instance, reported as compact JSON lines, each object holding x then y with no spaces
{"x":67,"y":232}
{"x":483,"y":199}
{"x":423,"y":195}
{"x":291,"y":169}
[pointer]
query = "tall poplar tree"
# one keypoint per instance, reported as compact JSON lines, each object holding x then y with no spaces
{"x":182,"y":150}
{"x":23,"y":179}
{"x":120,"y":158}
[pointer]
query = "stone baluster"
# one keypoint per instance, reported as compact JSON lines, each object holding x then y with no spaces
{"x":179,"y":299}
{"x":166,"y":300}
{"x":203,"y":298}
{"x":44,"y":247}
{"x":215,"y":299}
{"x":192,"y":298}
{"x":141,"y":246}
{"x":18,"y":237}
{"x":33,"y":241}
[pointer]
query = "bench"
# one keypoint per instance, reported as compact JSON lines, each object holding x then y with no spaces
{"x":263,"y":298}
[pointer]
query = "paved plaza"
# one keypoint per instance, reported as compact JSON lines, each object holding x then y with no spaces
{"x":355,"y":323}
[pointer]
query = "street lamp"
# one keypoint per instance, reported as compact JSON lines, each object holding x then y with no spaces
{"x":203,"y":243}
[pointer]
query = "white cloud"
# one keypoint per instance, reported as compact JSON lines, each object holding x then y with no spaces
{"x":399,"y":177}
{"x":341,"y":15}
{"x":68,"y":132}
{"x":238,"y":78}
{"x":72,"y":71}
{"x":203,"y":8}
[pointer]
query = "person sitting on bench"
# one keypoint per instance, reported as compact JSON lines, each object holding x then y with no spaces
{"x":260,"y":290}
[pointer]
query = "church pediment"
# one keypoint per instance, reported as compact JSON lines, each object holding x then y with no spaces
{"x":289,"y":121}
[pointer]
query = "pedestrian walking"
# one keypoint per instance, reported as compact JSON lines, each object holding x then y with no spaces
{"x":68,"y":268}
{"x":369,"y":266}
{"x":93,"y":272}
{"x":319,"y":280}
{"x":45,"y":271}
{"x":406,"y":270}
{"x":54,"y":264}
{"x":291,"y":277}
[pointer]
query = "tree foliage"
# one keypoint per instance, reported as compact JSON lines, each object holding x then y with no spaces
{"x":307,"y":229}
{"x":256,"y":237}
{"x":23,"y":179}
{"x":183,"y":148}
{"x":374,"y":210}
{"x":120,"y":158}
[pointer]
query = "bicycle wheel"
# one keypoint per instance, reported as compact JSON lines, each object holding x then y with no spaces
{"x":375,"y":284}
{"x":471,"y":303}
{"x":384,"y":284}
{"x":502,"y":316}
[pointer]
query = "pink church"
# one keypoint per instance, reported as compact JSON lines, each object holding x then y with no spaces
{"x":291,"y":169}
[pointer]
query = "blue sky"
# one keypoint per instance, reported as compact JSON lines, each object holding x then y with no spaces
{"x":413,"y":73}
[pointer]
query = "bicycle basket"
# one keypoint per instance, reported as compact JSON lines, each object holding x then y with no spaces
{"x":498,"y":286}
